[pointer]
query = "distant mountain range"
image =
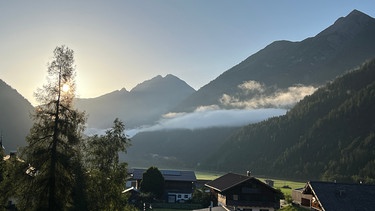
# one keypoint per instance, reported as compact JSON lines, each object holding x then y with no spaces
{"x":143,"y":105}
{"x":282,"y":64}
{"x":318,"y":135}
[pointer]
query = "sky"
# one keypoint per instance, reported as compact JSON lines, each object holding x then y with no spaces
{"x":121,"y":43}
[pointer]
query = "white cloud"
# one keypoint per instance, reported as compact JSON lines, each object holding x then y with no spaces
{"x":279,"y":99}
{"x":256,"y":107}
{"x":204,"y":119}
{"x":250,"y":86}
{"x":215,"y":118}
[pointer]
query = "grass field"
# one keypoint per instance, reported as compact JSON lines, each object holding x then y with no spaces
{"x":286,"y":186}
{"x":207,"y":175}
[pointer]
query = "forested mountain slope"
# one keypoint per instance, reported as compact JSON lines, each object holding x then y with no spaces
{"x":15,"y":121}
{"x":282,"y":64}
{"x":177,"y":148}
{"x":329,"y":135}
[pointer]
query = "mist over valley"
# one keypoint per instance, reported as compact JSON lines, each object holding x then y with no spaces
{"x":293,"y":109}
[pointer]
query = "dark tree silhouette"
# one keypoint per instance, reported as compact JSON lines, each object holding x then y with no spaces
{"x":53,"y":139}
{"x":153,"y":182}
{"x":106,"y":175}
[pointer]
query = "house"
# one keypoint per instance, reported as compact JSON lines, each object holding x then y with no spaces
{"x":243,"y":192}
{"x":178,"y":187}
{"x":334,"y":196}
{"x":11,"y":161}
{"x":133,"y":194}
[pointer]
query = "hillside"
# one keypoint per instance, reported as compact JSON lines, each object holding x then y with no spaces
{"x":282,"y":64}
{"x":178,"y":148}
{"x":328,"y":135}
{"x":144,"y":104}
{"x":15,"y":121}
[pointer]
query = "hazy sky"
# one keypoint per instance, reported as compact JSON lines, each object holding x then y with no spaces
{"x":122,"y":43}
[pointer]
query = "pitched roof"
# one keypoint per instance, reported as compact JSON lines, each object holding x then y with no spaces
{"x":227,"y":181}
{"x":169,"y":175}
{"x":230,"y":180}
{"x":130,"y":189}
{"x":341,"y":196}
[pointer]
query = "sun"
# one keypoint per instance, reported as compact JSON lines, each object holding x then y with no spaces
{"x":65,"y":88}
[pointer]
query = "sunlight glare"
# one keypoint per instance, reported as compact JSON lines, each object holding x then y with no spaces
{"x":65,"y":88}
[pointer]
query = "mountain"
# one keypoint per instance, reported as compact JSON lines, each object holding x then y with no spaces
{"x":329,"y":135}
{"x":178,"y":148}
{"x":144,"y":104}
{"x":282,"y":64}
{"x":15,"y":121}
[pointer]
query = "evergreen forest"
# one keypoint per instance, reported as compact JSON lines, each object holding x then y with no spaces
{"x":329,"y":135}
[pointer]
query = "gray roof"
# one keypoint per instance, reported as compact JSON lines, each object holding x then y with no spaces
{"x":169,"y":175}
{"x":230,"y":180}
{"x":227,"y":181}
{"x":340,"y":196}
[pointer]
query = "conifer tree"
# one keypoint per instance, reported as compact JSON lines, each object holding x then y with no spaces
{"x":53,"y":140}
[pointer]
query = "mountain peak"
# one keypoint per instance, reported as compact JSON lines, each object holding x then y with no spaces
{"x":351,"y":24}
{"x":158,"y":82}
{"x":356,"y":14}
{"x":282,"y":64}
{"x":124,"y":90}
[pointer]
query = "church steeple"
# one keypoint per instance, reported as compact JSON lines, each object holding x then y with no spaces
{"x":1,"y":140}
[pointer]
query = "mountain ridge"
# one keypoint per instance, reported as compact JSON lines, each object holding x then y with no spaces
{"x":144,"y":104}
{"x":312,"y":61}
{"x":15,"y":113}
{"x":329,"y":135}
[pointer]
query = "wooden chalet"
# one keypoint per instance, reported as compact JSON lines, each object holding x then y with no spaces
{"x":243,"y":192}
{"x":179,"y":185}
{"x":331,"y":196}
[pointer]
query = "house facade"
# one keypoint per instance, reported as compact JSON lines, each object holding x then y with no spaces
{"x":243,"y":192}
{"x":332,"y":196}
{"x":178,"y":186}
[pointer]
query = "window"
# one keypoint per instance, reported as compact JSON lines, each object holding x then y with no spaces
{"x":186,"y":196}
{"x":235,"y":197}
{"x":171,"y":199}
{"x":179,"y":196}
{"x":263,"y":210}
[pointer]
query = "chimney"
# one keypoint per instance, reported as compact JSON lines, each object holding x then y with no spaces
{"x":248,"y":173}
{"x":13,"y":154}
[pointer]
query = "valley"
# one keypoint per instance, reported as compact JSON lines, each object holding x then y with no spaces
{"x":311,"y":102}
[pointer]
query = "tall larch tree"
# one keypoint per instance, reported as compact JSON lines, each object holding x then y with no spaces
{"x":53,"y":140}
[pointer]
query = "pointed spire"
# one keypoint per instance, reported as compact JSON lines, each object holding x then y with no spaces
{"x":1,"y":140}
